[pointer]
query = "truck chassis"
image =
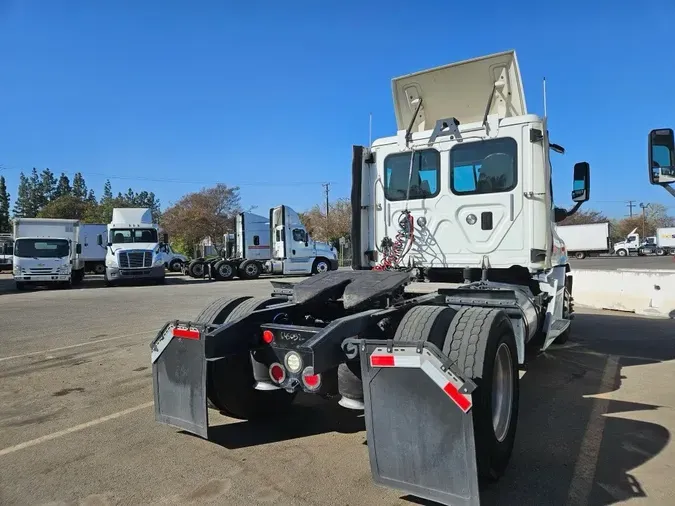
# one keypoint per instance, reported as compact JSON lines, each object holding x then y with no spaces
{"x":436,"y":374}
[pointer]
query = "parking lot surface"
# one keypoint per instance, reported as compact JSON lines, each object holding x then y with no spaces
{"x":77,"y":424}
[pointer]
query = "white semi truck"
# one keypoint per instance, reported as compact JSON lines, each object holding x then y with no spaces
{"x":133,"y":247}
{"x":278,"y":244}
{"x":464,"y":190}
{"x":585,"y":240}
{"x":47,"y":251}
{"x":663,"y":243}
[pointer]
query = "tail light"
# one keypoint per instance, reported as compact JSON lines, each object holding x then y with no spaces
{"x":268,"y":336}
{"x":310,"y":380}
{"x":277,"y":373}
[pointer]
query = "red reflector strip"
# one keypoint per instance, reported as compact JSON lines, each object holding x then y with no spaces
{"x":463,"y":403}
{"x":382,"y":361}
{"x":186,"y":333}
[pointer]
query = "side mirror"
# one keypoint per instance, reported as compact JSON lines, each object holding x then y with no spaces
{"x":78,"y":248}
{"x":165,"y":238}
{"x":581,"y":188}
{"x":99,"y":240}
{"x":661,"y":156}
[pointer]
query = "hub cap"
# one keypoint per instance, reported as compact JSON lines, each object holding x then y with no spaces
{"x":225,"y":270}
{"x":251,"y":269}
{"x":322,"y":267}
{"x":198,"y":269}
{"x":502,"y":392}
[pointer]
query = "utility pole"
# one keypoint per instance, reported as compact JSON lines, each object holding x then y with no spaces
{"x":326,"y":187}
{"x":644,"y":218}
{"x":631,"y":205}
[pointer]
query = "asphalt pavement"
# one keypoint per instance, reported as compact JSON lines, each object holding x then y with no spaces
{"x":77,"y":424}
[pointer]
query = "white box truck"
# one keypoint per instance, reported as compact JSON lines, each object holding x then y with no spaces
{"x":585,"y":240}
{"x":47,"y":251}
{"x":133,"y":248}
{"x":93,"y":253}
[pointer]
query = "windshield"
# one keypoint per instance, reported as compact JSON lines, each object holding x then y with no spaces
{"x":132,"y":235}
{"x":41,"y":248}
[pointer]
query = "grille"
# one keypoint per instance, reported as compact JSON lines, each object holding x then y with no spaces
{"x":40,"y":270}
{"x":135,"y":259}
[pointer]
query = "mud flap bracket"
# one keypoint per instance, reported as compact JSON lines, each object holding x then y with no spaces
{"x":179,"y":377}
{"x":419,"y":424}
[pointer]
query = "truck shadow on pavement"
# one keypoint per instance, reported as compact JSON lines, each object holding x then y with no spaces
{"x":574,"y":446}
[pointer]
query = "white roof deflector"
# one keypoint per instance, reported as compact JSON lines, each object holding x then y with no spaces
{"x":461,"y":90}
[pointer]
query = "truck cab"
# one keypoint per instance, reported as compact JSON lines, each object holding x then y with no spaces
{"x":465,"y":182}
{"x":293,"y":250}
{"x":134,"y":250}
{"x":629,"y":246}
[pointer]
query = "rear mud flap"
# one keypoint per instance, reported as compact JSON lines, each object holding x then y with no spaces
{"x":418,"y":422}
{"x":179,"y":377}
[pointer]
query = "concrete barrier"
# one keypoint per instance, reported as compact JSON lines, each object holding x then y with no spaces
{"x":644,"y":292}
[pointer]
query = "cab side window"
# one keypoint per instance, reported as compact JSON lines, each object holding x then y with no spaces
{"x":299,"y":235}
{"x":481,"y":167}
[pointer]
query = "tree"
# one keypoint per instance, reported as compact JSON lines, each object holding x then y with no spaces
{"x":62,"y":187}
{"x":584,"y":217}
{"x":209,"y":212}
{"x":22,"y":204}
{"x":66,"y":207}
{"x":47,"y":186}
{"x":5,"y":225}
{"x":79,"y":186}
{"x":329,"y":229}
{"x":107,"y":192}
{"x":37,"y":197}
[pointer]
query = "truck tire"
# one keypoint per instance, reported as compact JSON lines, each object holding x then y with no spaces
{"x":481,"y":342}
{"x":230,"y":382}
{"x":320,"y":265}
{"x":580,"y":255}
{"x":622,"y":252}
{"x":223,"y":270}
{"x":99,"y":269}
{"x":175,"y":265}
{"x":77,"y":277}
{"x":20,"y":285}
{"x":196,"y":269}
{"x":250,"y":269}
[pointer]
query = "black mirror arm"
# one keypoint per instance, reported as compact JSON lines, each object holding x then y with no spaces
{"x":559,"y":214}
{"x":669,"y":189}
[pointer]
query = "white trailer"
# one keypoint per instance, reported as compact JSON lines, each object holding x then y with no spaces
{"x":93,"y":253}
{"x":585,"y":240}
{"x":47,"y":251}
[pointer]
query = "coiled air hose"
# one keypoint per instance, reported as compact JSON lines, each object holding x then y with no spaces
{"x":394,"y":251}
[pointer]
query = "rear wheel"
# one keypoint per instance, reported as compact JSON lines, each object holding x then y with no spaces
{"x":580,"y":255}
{"x":229,"y":381}
{"x":196,"y":269}
{"x":99,"y":268}
{"x":223,"y":270}
{"x":250,"y":269}
{"x":482,"y":344}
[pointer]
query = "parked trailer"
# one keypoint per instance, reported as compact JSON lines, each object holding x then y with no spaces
{"x":586,"y":240}
{"x":435,"y":374}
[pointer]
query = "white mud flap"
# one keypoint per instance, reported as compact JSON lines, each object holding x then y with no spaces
{"x":418,"y":421}
{"x":179,"y":377}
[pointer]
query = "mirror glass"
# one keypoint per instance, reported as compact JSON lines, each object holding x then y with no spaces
{"x":581,"y":186}
{"x":661,"y":156}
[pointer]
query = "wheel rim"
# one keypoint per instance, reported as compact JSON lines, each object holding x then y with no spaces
{"x":225,"y":270}
{"x":502,"y":392}
{"x":251,"y":269}
{"x":322,"y":267}
{"x":99,"y":269}
{"x":198,"y":270}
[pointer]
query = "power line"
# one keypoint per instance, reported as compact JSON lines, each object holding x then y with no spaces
{"x":182,"y":181}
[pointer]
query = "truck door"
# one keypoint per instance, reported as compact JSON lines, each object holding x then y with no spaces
{"x":299,"y":253}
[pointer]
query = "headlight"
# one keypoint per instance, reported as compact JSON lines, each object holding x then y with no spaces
{"x":110,"y":262}
{"x":17,"y":269}
{"x":64,"y":269}
{"x":159,"y":260}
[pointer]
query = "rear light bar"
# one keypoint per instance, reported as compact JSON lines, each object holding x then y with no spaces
{"x":310,"y":380}
{"x":277,"y":373}
{"x":185,"y":333}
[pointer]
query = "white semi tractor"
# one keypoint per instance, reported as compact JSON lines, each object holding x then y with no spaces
{"x":278,"y":244}
{"x":47,"y":251}
{"x":133,"y":247}
{"x":463,"y":189}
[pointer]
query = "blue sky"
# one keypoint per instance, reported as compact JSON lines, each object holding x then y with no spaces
{"x":271,"y":95}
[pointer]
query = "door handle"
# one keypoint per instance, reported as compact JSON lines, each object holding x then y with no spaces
{"x":486,"y":220}
{"x":293,"y":251}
